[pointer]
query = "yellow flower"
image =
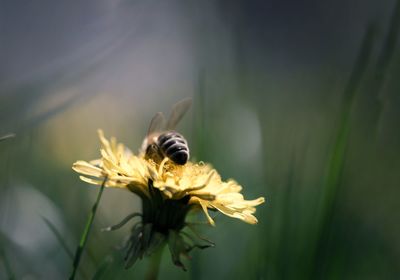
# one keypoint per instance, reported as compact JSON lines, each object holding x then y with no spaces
{"x":168,"y":192}
{"x":199,"y":182}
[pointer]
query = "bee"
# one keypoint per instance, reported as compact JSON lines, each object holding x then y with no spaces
{"x":163,"y":141}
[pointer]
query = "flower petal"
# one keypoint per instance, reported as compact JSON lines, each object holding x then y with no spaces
{"x":86,"y":168}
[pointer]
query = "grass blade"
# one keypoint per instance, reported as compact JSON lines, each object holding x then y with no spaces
{"x":86,"y":232}
{"x":58,"y":236}
{"x":7,"y":136}
{"x":337,"y":156}
{"x":7,"y":266}
{"x":102,"y":269}
{"x":383,"y":65}
{"x":338,"y":153}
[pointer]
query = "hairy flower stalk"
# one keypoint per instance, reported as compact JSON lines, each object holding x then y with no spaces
{"x":168,"y":192}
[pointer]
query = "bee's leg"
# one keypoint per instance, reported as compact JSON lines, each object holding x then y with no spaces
{"x":153,"y":152}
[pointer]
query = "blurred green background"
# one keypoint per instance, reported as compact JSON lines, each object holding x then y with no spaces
{"x":297,"y":100}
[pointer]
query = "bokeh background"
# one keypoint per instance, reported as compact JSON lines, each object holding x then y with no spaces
{"x":297,"y":100}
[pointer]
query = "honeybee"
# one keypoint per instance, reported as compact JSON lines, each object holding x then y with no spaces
{"x":163,"y":141}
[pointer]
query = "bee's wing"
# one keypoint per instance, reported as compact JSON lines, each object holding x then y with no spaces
{"x":157,"y":123}
{"x":178,"y":111}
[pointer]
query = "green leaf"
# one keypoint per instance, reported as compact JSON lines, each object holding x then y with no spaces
{"x":135,"y":247}
{"x":176,"y":247}
{"x":146,"y":235}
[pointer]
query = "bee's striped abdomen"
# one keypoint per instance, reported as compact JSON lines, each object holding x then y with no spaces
{"x":174,"y":146}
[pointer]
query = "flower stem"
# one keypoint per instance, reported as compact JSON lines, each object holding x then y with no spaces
{"x":86,"y":232}
{"x":154,"y":266}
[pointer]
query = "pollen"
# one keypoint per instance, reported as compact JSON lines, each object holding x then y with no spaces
{"x":168,"y":192}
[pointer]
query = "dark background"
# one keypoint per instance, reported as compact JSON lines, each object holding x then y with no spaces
{"x":297,"y":100}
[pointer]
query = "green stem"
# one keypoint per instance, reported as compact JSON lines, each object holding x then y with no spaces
{"x":154,"y":266}
{"x":86,"y":232}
